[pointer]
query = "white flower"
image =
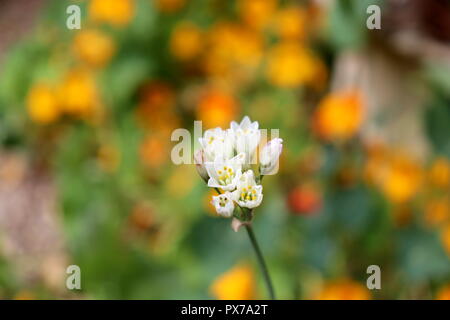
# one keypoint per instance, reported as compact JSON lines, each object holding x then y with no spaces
{"x":199,"y":160}
{"x":223,"y":173}
{"x":269,"y":155}
{"x":246,"y":136}
{"x":224,"y":204}
{"x":216,"y":143}
{"x":248,"y":194}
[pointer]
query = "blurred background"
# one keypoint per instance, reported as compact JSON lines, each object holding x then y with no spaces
{"x":86,"y":118}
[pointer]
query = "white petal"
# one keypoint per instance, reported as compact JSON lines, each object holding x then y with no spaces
{"x":234,"y":125}
{"x":245,"y":123}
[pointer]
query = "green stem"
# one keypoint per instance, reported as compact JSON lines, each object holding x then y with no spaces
{"x":259,"y":255}
{"x":261,"y":261}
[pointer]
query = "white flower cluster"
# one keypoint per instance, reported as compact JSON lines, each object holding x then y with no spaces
{"x":223,"y":161}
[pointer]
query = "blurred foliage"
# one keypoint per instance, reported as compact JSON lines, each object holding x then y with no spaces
{"x":94,"y":109}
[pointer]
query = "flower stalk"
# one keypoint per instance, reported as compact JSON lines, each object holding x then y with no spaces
{"x":226,"y":162}
{"x":261,"y":261}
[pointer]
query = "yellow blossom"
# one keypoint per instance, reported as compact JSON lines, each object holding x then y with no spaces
{"x":290,"y":23}
{"x":233,"y":51}
{"x":256,"y":13}
{"x":437,"y":211}
{"x":78,"y":93}
{"x":339,"y":115}
{"x":439,"y":174}
{"x":402,"y":180}
{"x":235,"y":284}
{"x":247,"y":48}
{"x":116,"y":12}
{"x":290,"y":65}
{"x":93,"y":47}
{"x":343,"y":290}
{"x":217,"y":108}
{"x":186,"y":41}
{"x":42,"y":104}
{"x":397,"y":174}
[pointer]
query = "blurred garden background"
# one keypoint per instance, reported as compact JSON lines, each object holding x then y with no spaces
{"x":86,"y":118}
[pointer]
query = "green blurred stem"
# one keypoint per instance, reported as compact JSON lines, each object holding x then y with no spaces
{"x":261,"y":261}
{"x":258,"y":252}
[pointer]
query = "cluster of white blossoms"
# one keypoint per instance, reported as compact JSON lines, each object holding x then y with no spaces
{"x":225,"y":163}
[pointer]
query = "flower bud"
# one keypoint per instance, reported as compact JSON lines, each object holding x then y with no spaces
{"x":269,"y":156}
{"x":199,"y":160}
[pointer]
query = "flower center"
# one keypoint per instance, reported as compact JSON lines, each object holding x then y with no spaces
{"x":223,"y":201}
{"x":248,"y":194}
{"x":226,"y":175}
